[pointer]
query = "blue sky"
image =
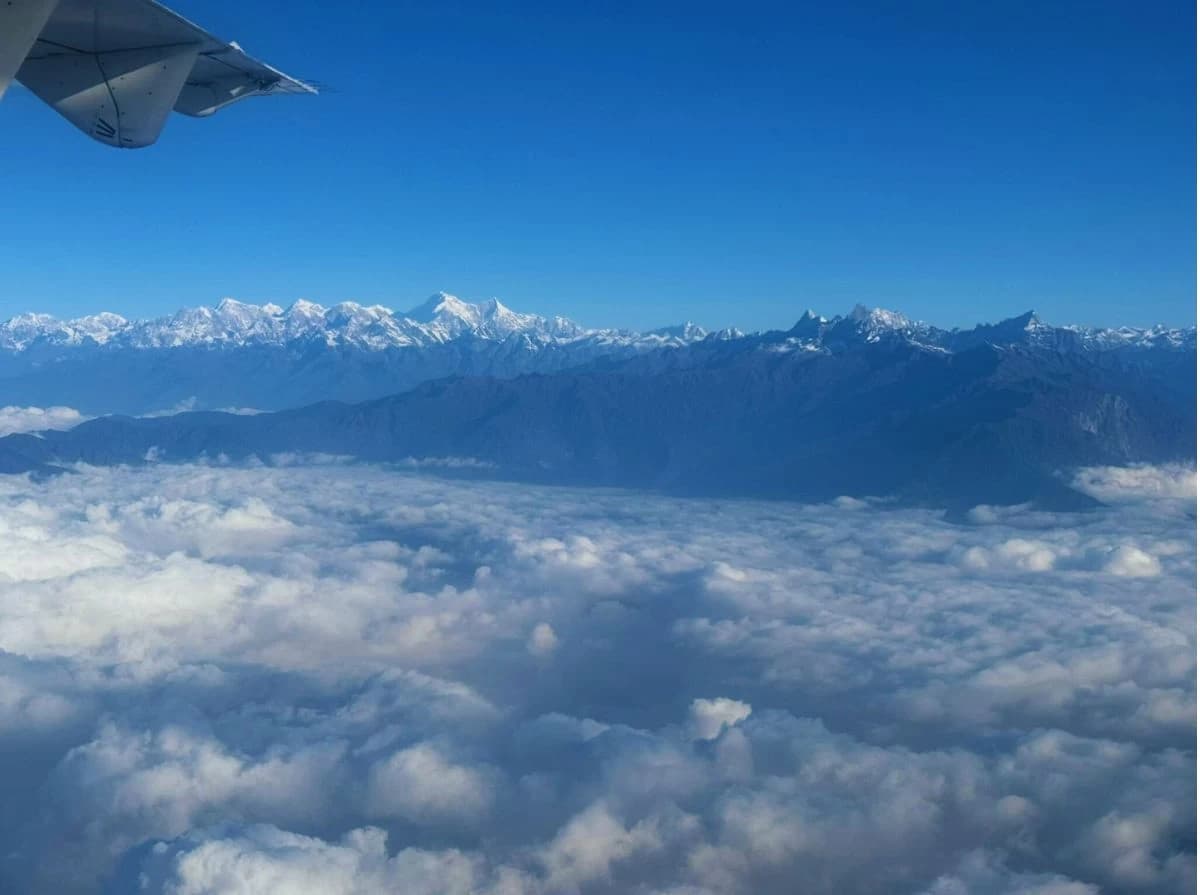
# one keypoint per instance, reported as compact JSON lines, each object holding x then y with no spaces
{"x":641,"y":163}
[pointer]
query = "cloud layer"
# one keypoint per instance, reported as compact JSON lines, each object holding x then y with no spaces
{"x":37,"y":419}
{"x":330,"y":678}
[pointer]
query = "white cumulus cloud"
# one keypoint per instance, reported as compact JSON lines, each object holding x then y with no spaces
{"x":328,"y":677}
{"x":711,"y":716}
{"x":37,"y":419}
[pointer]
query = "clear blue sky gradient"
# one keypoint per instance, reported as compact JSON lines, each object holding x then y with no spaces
{"x":640,"y":163}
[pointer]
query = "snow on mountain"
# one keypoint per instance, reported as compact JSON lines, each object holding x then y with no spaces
{"x":442,"y":318}
{"x":271,"y":358}
{"x":24,"y":330}
{"x":688,"y":332}
{"x":449,"y":315}
{"x":878,"y":325}
{"x":857,"y":405}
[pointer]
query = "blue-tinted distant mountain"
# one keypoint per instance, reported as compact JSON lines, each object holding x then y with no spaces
{"x":866,"y":325}
{"x":242,"y":355}
{"x":867,"y":404}
{"x":265,"y":357}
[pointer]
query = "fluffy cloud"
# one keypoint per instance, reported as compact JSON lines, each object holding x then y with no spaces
{"x":265,"y":859}
{"x":542,"y":640}
{"x":321,"y":677}
{"x":37,"y":419}
{"x":983,"y":874}
{"x":1131,"y":562}
{"x":711,"y":716}
{"x":1137,"y":483}
{"x":420,"y":784}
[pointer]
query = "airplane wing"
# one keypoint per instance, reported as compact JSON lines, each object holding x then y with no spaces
{"x":117,"y":68}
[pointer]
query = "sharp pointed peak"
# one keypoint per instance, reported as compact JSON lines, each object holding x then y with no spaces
{"x":441,"y":303}
{"x":227,"y":302}
{"x":493,"y":307}
{"x":688,"y":331}
{"x":876,"y":319}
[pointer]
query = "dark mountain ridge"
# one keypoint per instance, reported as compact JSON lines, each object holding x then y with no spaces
{"x":869,"y":404}
{"x":264,"y":357}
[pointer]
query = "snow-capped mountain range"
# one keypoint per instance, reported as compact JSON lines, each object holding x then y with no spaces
{"x":864,"y":324}
{"x":870,"y":403}
{"x":268,"y":358}
{"x":443,"y":318}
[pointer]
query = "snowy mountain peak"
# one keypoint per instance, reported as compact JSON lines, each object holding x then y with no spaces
{"x":233,"y":306}
{"x":502,"y":321}
{"x":443,"y":306}
{"x":687,"y":332}
{"x":445,"y":319}
{"x":879,"y":318}
{"x":105,"y":318}
{"x":304,"y":307}
{"x":862,"y":324}
{"x":441,"y":319}
{"x":99,"y":327}
{"x":728,"y":334}
{"x":450,"y":317}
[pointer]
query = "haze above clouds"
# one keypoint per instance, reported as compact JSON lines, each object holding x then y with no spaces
{"x":338,"y":678}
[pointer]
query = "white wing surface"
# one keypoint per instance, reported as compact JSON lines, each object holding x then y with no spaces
{"x":117,"y":68}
